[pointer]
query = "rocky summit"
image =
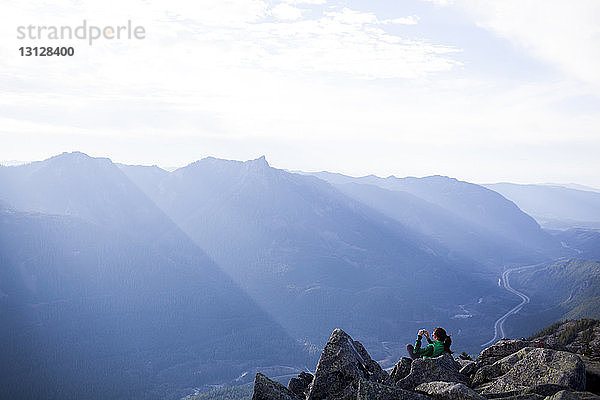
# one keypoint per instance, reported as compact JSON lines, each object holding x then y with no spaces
{"x":508,"y":370}
{"x":343,"y":363}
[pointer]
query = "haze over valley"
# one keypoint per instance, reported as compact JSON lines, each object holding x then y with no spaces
{"x":165,"y":282}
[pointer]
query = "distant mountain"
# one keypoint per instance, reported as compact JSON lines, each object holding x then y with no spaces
{"x":554,"y":207}
{"x":92,"y":189}
{"x":586,"y":242}
{"x":107,"y":298}
{"x":144,"y":176}
{"x":566,"y":289}
{"x":573,"y":186}
{"x":316,"y":258}
{"x":465,"y":217}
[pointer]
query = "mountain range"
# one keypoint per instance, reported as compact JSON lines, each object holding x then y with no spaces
{"x":127,"y":281}
{"x":553,"y":206}
{"x":102,"y":296}
{"x":314,"y":257}
{"x":465,"y":217}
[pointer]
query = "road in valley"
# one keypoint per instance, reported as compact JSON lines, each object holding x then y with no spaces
{"x":499,"y":324}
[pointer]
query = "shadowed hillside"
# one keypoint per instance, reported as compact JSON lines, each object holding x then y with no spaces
{"x":111,"y":299}
{"x":314,"y":257}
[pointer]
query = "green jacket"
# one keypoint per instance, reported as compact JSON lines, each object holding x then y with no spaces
{"x":431,"y":350}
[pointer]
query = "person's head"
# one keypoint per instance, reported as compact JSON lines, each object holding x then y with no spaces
{"x":441,"y":335}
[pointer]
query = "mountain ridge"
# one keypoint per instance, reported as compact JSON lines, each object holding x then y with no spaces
{"x":303,"y":239}
{"x":299,"y":254}
{"x":555,"y":206}
{"x":488,"y":219}
{"x":118,"y":291}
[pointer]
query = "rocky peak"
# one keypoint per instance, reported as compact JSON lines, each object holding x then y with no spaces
{"x":343,"y":363}
{"x":266,"y":389}
{"x":260,"y":162}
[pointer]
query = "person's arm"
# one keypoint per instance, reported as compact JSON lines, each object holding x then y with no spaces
{"x":427,"y":351}
{"x":428,"y":338}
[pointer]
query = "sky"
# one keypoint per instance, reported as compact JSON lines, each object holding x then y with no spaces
{"x":484,"y":91}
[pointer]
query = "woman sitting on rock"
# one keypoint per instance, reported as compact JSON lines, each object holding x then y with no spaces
{"x":441,"y":342}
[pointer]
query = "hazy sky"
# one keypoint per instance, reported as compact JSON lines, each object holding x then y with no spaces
{"x":479,"y":90}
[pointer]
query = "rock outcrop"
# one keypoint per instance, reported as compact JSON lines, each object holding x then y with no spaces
{"x":449,"y":391}
{"x":266,"y":389}
{"x":401,"y":369}
{"x":343,"y":363}
{"x":540,"y":366}
{"x":443,"y":368}
{"x":301,"y":384}
{"x":537,"y":392}
{"x":580,"y":337}
{"x":368,"y":390}
{"x":567,"y":395}
{"x":507,"y":370}
{"x":468,"y":369}
{"x":500,"y":367}
{"x":503,"y":348}
{"x":592,"y":375}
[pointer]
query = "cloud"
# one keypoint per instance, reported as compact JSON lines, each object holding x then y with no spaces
{"x":563,"y":34}
{"x":312,"y":2}
{"x":239,"y":34}
{"x":352,"y":17}
{"x":440,"y":2}
{"x":410,"y":20}
{"x":216,"y":13}
{"x":284,"y":11}
{"x":346,"y":41}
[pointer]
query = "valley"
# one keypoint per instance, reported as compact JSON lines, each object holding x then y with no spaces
{"x":505,"y":280}
{"x":169,"y":283}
